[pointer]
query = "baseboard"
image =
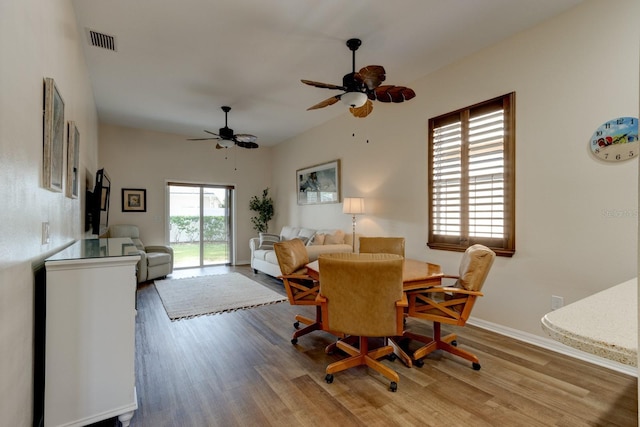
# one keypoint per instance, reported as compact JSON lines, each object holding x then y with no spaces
{"x":549,"y":344}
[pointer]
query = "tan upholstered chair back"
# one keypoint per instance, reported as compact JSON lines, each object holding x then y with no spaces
{"x":362,"y":291}
{"x":474,"y":267}
{"x":292,"y":256}
{"x":382,"y":245}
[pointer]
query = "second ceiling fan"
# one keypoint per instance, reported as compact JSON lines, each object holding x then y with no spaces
{"x":362,"y":87}
{"x":227,"y":138}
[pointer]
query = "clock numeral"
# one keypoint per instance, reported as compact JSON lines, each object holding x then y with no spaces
{"x":599,"y":133}
{"x":620,"y":121}
{"x":607,"y":125}
{"x":618,"y":156}
{"x":631,"y":154}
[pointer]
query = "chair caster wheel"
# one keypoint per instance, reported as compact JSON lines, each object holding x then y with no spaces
{"x":294,"y":341}
{"x":476,"y":366}
{"x":454,"y":343}
{"x":329,"y":378}
{"x":419,"y":363}
{"x":393,"y":386}
{"x":392,"y":357}
{"x":296,"y":325}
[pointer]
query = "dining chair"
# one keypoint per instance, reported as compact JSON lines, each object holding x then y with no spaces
{"x":382,"y":245}
{"x":301,"y":288}
{"x":451,"y":305}
{"x":361,"y":295}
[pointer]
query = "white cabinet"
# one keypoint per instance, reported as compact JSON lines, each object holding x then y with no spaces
{"x":90,"y":333}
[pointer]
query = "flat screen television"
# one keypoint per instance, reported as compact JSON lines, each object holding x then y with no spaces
{"x":97,"y":205}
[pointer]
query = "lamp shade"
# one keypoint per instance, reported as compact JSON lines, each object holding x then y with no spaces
{"x":354,"y":99}
{"x":353,"y":205}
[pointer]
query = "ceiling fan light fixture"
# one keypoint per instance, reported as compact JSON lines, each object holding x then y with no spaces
{"x":354,"y":99}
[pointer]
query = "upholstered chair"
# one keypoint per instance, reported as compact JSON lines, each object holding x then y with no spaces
{"x":382,"y":245}
{"x":301,"y":288}
{"x":361,"y":295}
{"x":450,"y":304}
{"x":155,"y":261}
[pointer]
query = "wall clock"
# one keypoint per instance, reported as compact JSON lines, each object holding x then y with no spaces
{"x":616,"y":140}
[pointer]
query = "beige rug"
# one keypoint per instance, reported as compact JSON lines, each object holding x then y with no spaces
{"x":197,"y":296}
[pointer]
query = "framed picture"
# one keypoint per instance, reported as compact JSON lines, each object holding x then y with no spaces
{"x":73,"y":160}
{"x":53,"y":139}
{"x":319,"y":184}
{"x":134,"y":200}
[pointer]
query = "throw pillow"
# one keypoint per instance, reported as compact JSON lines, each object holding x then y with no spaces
{"x":305,"y":240}
{"x":267,"y":240}
{"x":318,"y":239}
{"x":336,"y":238}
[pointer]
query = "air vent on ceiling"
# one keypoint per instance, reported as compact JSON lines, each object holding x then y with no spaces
{"x":102,"y":40}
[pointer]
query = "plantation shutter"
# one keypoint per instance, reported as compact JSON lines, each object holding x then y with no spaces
{"x":471,"y":169}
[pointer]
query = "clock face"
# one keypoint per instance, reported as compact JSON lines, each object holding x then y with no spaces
{"x":616,"y":140}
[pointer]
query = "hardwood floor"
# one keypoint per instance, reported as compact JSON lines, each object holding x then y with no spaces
{"x":239,"y":368}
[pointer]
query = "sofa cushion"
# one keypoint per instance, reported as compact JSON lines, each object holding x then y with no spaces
{"x":318,"y":239}
{"x":261,"y":253}
{"x":267,"y":240}
{"x":288,"y":233}
{"x":336,"y":238}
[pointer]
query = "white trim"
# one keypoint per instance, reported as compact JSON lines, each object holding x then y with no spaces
{"x":552,"y":345}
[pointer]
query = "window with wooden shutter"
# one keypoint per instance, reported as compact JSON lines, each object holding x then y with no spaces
{"x":472,"y":177}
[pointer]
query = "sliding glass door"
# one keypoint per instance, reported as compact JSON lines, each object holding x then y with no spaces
{"x":200,"y":226}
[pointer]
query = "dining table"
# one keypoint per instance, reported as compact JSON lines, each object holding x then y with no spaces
{"x":416,"y":274}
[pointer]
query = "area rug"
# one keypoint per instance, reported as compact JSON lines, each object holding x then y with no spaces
{"x":197,"y":296}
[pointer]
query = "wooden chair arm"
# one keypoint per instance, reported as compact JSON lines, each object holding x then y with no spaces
{"x":404,"y":302}
{"x":446,"y":289}
{"x":296,"y":276}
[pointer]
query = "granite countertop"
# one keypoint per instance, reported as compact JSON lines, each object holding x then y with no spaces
{"x":604,"y":324}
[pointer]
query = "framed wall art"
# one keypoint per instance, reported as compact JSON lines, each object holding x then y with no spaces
{"x":73,"y":160}
{"x":53,"y":139}
{"x":134,"y":200}
{"x":319,"y":184}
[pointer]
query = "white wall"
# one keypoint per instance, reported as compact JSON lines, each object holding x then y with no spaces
{"x":570,"y":75}
{"x":136,"y":158}
{"x":38,"y":39}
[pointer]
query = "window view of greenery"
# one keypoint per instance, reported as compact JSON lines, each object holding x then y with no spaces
{"x":186,"y":247}
{"x":199,"y":226}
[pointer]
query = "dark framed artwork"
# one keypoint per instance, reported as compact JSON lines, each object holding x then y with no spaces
{"x":73,"y":160}
{"x":319,"y":184}
{"x":134,"y":200}
{"x":53,"y":138}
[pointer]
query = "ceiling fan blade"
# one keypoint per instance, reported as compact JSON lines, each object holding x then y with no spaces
{"x":325,"y":103}
{"x":244,"y":137}
{"x":363,"y":111}
{"x":372,"y":76}
{"x":390,"y":93}
{"x":212,"y":133}
{"x":322,"y":85}
{"x":201,"y":139}
{"x":247,"y":144}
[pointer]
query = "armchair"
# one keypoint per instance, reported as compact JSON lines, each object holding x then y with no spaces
{"x":361,"y":295}
{"x":155,"y":261}
{"x":450,"y":304}
{"x":301,"y":288}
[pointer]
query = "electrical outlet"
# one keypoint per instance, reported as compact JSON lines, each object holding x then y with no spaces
{"x":556,"y":302}
{"x":45,"y":233}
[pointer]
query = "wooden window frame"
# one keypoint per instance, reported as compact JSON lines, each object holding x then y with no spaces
{"x":504,"y":245}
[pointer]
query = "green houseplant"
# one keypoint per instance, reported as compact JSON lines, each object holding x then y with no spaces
{"x":264,"y":208}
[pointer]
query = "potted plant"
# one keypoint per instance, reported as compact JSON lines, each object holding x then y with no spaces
{"x":264,"y":209}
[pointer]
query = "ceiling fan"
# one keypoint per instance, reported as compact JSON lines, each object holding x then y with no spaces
{"x":227,"y":138}
{"x":362,"y":87}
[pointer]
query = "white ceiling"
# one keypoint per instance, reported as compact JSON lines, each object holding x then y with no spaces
{"x":178,"y":61}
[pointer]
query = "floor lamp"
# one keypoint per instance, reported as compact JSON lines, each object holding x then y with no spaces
{"x":353,"y":206}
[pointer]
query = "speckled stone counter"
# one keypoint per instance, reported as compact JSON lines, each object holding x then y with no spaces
{"x":604,"y":324}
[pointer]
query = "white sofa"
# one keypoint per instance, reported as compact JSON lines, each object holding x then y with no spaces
{"x":263,"y":257}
